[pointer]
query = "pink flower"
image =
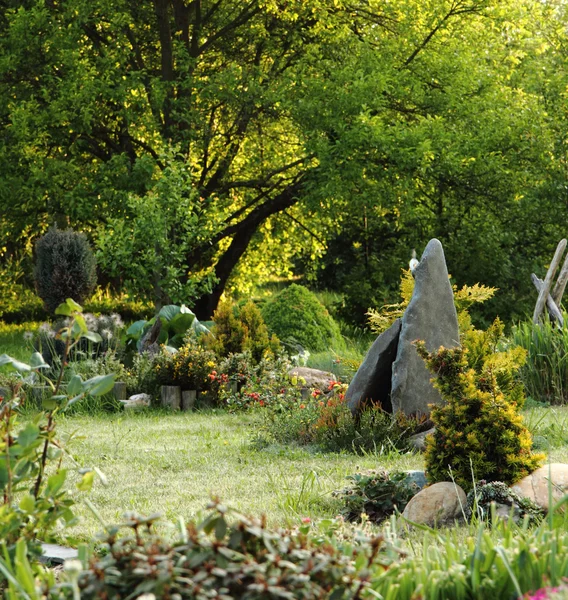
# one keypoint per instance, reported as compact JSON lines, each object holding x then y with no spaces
{"x":306,"y":520}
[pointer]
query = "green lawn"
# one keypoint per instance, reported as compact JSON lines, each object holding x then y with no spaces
{"x":173,"y":463}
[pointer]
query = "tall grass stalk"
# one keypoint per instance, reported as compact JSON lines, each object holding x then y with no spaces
{"x":545,"y":374}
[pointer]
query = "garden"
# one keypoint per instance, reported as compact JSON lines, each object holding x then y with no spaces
{"x":281,"y":299}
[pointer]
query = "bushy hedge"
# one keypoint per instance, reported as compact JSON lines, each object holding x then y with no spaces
{"x":65,"y":268}
{"x":296,"y":315}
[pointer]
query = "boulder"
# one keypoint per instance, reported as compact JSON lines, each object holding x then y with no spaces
{"x":372,"y":382}
{"x":137,"y":401}
{"x":536,"y":485}
{"x":440,"y":504}
{"x":312,"y":378}
{"x":418,"y":440}
{"x":417,"y":477}
{"x":430,"y":316}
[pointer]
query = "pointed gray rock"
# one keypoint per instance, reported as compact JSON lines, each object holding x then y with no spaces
{"x":430,"y":316}
{"x":372,"y":382}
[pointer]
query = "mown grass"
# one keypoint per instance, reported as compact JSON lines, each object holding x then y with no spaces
{"x":12,"y":340}
{"x":172,"y":464}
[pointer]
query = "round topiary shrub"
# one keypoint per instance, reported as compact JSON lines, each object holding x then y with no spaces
{"x":296,"y":315}
{"x":65,"y":268}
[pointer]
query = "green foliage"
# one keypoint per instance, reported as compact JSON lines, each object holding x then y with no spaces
{"x":377,"y":494}
{"x":234,"y":555}
{"x":65,"y":268}
{"x":464,"y":298}
{"x":479,"y":431}
{"x":34,"y":498}
{"x":296,"y":316}
{"x":545,"y":373}
{"x":177,"y":323}
{"x":324,"y":420}
{"x":240,"y":329}
{"x":192,"y":367}
{"x":484,"y":495}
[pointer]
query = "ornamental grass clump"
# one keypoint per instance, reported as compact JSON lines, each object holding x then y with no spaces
{"x":479,"y":431}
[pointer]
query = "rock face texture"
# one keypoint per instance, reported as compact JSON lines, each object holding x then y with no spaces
{"x":535,"y":486}
{"x":440,"y":504}
{"x":312,"y":377}
{"x":430,"y":316}
{"x":372,"y":382}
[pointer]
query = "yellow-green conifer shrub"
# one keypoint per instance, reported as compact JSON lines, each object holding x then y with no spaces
{"x":239,"y":330}
{"x":479,"y":431}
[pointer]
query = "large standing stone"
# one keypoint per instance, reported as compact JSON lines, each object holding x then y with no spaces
{"x":440,"y":504}
{"x":430,"y":316}
{"x":372,"y":382}
{"x":536,"y":486}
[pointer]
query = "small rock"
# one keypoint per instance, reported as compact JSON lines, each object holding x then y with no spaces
{"x":440,"y":504}
{"x":418,"y":440}
{"x":535,"y":486}
{"x":137,"y":401}
{"x":372,"y":382}
{"x":417,"y":477}
{"x":313,"y":378}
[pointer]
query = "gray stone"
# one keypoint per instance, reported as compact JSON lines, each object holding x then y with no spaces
{"x":418,"y":440}
{"x":417,"y":477}
{"x":312,"y":378}
{"x":440,"y":504}
{"x":54,"y":554}
{"x":430,"y":316}
{"x":137,"y":401}
{"x":372,"y":382}
{"x":550,"y":479}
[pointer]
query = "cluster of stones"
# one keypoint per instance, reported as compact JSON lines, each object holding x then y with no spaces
{"x":445,"y":503}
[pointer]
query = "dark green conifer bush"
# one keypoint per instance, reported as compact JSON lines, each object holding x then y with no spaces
{"x":65,"y":268}
{"x":479,"y":431}
{"x":296,"y":315}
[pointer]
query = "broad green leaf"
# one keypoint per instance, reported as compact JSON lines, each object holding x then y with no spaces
{"x":169,"y":312}
{"x":68,"y":307}
{"x":99,"y":385}
{"x":80,"y":322}
{"x":75,"y":385}
{"x":37,"y":361}
{"x":28,"y":435}
{"x":93,"y":337}
{"x":27,"y":503}
{"x":136,"y":328}
{"x":199,"y":328}
{"x":55,"y":482}
{"x":11,"y":363}
{"x":86,"y":482}
{"x":49,"y":403}
{"x":181,"y":322}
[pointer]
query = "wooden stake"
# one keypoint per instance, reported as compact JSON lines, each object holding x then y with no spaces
{"x":553,"y":309}
{"x":545,"y":290}
{"x":560,"y":286}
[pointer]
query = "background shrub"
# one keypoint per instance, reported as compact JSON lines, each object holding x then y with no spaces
{"x":295,"y":315}
{"x":239,"y":330}
{"x":65,"y":268}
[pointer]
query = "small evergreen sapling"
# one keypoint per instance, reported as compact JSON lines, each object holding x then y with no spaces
{"x":65,"y":268}
{"x":479,"y":431}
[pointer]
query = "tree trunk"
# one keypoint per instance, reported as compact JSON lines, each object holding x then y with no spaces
{"x":242,"y":233}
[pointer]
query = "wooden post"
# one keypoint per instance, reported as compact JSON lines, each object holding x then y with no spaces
{"x":171,"y":396}
{"x":120,"y":390}
{"x":545,"y":290}
{"x":188,"y":399}
{"x":560,"y":286}
{"x":553,"y":309}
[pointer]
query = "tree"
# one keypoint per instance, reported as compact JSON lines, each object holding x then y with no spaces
{"x":277,"y":124}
